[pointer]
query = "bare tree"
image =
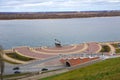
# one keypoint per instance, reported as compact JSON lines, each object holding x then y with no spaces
{"x":1,"y":62}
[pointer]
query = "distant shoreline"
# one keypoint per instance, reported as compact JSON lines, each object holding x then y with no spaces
{"x":56,"y":15}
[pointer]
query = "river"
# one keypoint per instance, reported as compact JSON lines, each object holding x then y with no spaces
{"x":42,"y":32}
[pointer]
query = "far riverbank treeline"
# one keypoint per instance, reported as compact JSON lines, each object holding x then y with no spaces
{"x":54,"y":15}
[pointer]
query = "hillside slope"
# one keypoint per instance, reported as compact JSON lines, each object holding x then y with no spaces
{"x":105,"y":70}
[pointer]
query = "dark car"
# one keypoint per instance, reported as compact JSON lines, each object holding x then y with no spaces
{"x":16,"y":68}
{"x":17,"y":72}
{"x":44,"y":69}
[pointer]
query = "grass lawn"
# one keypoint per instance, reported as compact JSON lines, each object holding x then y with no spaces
{"x":105,"y":48}
{"x":11,"y":62}
{"x":104,"y":70}
{"x":115,"y":45}
{"x":117,"y":50}
{"x":19,"y":57}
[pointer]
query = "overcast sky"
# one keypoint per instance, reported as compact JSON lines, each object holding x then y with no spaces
{"x":57,"y":5}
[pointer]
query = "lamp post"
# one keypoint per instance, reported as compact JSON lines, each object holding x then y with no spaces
{"x":89,"y":50}
{"x":1,"y":62}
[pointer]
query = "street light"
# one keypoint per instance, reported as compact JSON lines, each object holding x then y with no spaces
{"x":1,"y":62}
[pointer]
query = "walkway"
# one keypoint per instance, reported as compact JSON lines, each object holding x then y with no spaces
{"x":13,"y":60}
{"x":25,"y":51}
{"x":93,"y":47}
{"x":112,"y":49}
{"x":41,"y":53}
{"x":62,"y":50}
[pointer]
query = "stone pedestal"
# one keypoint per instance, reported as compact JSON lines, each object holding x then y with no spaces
{"x":58,"y":45}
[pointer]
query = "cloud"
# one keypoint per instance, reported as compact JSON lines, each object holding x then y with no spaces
{"x":57,"y":5}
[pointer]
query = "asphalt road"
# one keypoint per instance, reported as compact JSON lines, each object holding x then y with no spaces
{"x":30,"y":67}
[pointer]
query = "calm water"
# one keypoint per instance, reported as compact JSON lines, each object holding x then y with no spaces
{"x":42,"y":32}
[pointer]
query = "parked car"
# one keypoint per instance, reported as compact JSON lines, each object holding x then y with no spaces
{"x":17,"y":72}
{"x":16,"y":68}
{"x":44,"y":69}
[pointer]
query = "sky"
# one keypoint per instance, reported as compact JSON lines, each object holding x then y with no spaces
{"x":57,"y":5}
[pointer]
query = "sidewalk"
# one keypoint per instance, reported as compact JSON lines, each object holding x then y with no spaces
{"x":13,"y":60}
{"x":43,"y":75}
{"x":111,"y":48}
